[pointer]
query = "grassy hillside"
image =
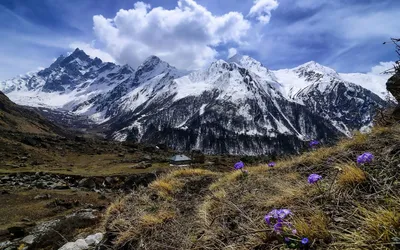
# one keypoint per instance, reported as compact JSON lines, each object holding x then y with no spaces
{"x":353,"y":206}
{"x":17,"y":118}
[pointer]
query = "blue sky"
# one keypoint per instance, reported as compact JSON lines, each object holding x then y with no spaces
{"x":344,"y":34}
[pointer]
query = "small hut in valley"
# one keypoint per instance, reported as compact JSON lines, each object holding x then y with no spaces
{"x":179,"y":160}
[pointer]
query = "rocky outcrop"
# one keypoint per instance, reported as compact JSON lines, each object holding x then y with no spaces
{"x":393,"y":86}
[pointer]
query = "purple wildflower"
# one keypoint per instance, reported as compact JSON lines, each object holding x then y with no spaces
{"x":365,"y":158}
{"x":287,"y":239}
{"x":304,"y":241}
{"x":294,"y":231}
{"x":239,"y":165}
{"x":314,"y":178}
{"x":278,"y":227}
{"x":271,"y":164}
{"x":314,"y":143}
{"x":282,"y":213}
{"x":267,"y":219}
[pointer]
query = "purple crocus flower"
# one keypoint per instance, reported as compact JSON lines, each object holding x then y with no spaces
{"x":267,"y":219}
{"x":294,"y":231}
{"x":278,"y":227}
{"x":239,"y":165}
{"x":282,"y":213}
{"x":304,"y":241}
{"x":287,"y":239}
{"x":271,"y":164}
{"x":314,"y":178}
{"x":367,"y":157}
{"x":314,"y":143}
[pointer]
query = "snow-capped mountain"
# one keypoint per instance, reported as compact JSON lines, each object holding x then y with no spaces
{"x":237,"y":106}
{"x":224,"y":108}
{"x":346,"y":105}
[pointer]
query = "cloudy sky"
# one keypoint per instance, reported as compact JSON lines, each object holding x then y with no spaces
{"x":346,"y":35}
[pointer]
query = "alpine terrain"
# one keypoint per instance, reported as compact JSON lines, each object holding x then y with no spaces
{"x":236,"y":106}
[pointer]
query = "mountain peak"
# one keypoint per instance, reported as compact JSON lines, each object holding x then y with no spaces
{"x":243,"y":60}
{"x":152,"y":60}
{"x":316,"y":67}
{"x":78,"y":53}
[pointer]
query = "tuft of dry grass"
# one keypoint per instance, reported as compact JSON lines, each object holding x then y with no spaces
{"x":226,"y":179}
{"x":351,"y":175}
{"x":377,"y":227}
{"x":151,"y":220}
{"x":314,"y":226}
{"x":165,"y":188}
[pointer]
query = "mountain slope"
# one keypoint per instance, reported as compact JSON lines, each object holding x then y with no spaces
{"x":236,"y":106}
{"x":19,"y":119}
{"x":347,"y":105}
{"x":223,"y":109}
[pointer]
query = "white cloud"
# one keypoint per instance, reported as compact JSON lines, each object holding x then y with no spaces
{"x":381,"y":68}
{"x":184,"y":36}
{"x":92,"y":52}
{"x":262,"y":10}
{"x":232,"y":52}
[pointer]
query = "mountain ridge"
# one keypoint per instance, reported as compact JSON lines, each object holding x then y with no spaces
{"x":236,"y":97}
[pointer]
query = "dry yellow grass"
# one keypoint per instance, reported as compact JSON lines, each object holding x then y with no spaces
{"x":351,"y":175}
{"x":189,"y":172}
{"x":150,"y":220}
{"x":314,"y":226}
{"x":377,"y":227}
{"x":229,"y":215}
{"x":170,"y":183}
{"x":165,"y":188}
{"x":227,"y":178}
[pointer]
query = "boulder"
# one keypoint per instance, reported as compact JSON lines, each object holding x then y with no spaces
{"x":87,"y":183}
{"x":94,"y":239}
{"x":29,"y":239}
{"x":47,"y":233}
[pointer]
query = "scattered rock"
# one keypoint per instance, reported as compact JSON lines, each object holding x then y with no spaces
{"x":5,"y":244}
{"x":87,"y":183}
{"x":142,"y":165}
{"x":147,"y":158}
{"x":94,"y":239}
{"x":49,"y":232}
{"x":41,"y":185}
{"x":60,"y":186}
{"x":29,"y":239}
{"x":42,"y":197}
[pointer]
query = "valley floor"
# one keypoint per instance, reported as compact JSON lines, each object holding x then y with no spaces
{"x":47,"y":180}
